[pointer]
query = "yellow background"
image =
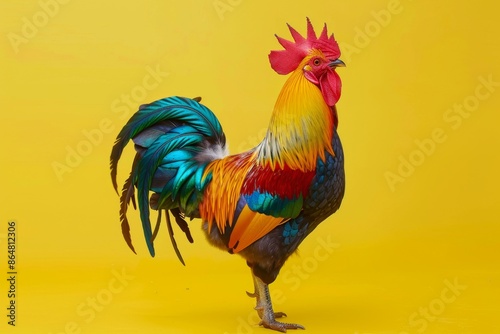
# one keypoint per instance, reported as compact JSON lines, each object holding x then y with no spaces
{"x":392,"y":250}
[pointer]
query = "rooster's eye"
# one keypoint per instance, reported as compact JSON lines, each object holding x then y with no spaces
{"x":316,"y":62}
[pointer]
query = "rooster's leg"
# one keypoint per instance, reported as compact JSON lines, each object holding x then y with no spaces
{"x":265,"y":308}
{"x":259,"y":302}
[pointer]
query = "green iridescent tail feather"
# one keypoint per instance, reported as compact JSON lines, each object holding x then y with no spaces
{"x":169,"y":135}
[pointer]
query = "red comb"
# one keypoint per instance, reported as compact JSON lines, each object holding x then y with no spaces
{"x":285,"y":61}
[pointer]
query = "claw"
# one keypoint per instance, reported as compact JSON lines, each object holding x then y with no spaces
{"x":260,"y":311}
{"x":265,"y":311}
{"x":251,"y":294}
{"x":280,"y":315}
{"x":280,"y":326}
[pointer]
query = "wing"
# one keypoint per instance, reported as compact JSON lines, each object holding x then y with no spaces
{"x":247,"y":201}
{"x":249,"y":227}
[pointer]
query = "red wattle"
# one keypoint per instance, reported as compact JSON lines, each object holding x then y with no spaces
{"x":331,"y":86}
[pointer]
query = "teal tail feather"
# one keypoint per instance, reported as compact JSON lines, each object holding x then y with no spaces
{"x":171,"y":137}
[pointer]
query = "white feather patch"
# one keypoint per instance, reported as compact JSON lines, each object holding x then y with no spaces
{"x":212,"y":152}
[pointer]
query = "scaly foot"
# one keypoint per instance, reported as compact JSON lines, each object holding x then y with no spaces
{"x":260,"y":309}
{"x":265,"y":311}
{"x":280,"y":326}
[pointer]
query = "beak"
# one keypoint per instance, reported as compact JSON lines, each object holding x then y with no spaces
{"x":337,"y":63}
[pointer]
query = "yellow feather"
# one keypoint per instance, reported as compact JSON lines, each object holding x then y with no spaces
{"x":300,"y":129}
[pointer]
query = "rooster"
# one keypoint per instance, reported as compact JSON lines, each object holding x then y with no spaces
{"x":261,"y":203}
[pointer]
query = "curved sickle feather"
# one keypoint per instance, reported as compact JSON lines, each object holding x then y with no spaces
{"x":125,"y":198}
{"x":174,"y":244}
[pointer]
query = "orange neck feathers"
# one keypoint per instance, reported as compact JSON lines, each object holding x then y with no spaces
{"x":301,"y":126}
